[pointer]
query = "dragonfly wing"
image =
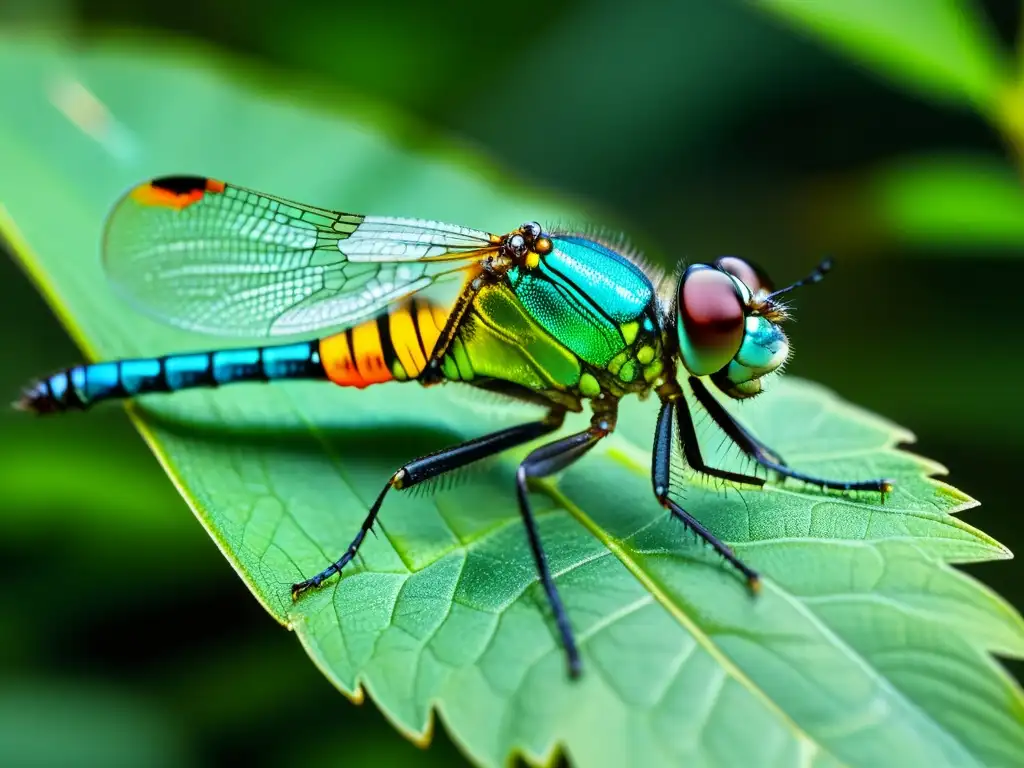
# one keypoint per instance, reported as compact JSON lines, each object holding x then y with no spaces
{"x":221,"y":259}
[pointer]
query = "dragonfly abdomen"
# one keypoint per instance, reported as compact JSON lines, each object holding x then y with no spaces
{"x":79,"y":387}
{"x":394,"y":346}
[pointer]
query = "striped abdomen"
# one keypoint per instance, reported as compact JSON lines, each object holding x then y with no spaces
{"x":394,"y":345}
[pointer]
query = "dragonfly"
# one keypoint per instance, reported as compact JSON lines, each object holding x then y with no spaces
{"x":557,"y":319}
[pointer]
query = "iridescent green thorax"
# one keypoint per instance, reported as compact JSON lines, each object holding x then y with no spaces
{"x":582,"y":293}
{"x":575,"y":322}
{"x":498,"y":339}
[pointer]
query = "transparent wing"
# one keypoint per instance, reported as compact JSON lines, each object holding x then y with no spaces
{"x":213,"y":257}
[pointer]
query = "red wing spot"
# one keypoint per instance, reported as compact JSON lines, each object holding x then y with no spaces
{"x":212,"y":185}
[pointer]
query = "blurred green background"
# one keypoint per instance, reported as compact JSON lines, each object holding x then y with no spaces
{"x":704,"y":128}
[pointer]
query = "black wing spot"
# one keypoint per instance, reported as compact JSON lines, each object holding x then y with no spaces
{"x":180,"y":185}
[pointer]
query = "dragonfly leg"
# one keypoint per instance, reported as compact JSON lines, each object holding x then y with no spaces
{"x":768,"y":458}
{"x":547,"y":460}
{"x":432,"y":465}
{"x":691,"y":448}
{"x":431,"y":374}
{"x":661,"y":468}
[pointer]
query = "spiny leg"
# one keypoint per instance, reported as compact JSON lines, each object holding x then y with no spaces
{"x":768,"y":458}
{"x":432,"y":465}
{"x":691,"y":447}
{"x":661,"y":468}
{"x":542,"y":462}
{"x":739,"y":434}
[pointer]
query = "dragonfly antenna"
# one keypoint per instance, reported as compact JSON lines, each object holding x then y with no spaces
{"x":815,"y":277}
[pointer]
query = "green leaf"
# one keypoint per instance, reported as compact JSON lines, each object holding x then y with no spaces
{"x":865,"y":648}
{"x":940,"y":48}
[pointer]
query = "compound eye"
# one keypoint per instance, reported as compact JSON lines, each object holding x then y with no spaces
{"x":748,"y":273}
{"x":531,"y":229}
{"x":517,"y":245}
{"x":712,"y":320}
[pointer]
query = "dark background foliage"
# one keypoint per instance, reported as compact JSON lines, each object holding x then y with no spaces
{"x":702,"y":127}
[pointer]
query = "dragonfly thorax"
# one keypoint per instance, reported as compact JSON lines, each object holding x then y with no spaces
{"x":562,"y":315}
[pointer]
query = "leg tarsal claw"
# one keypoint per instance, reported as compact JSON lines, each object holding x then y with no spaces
{"x":314,"y":583}
{"x":427,"y":467}
{"x":575,"y":667}
{"x":754,"y":583}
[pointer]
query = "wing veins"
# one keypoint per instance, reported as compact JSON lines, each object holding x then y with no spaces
{"x":232,"y":261}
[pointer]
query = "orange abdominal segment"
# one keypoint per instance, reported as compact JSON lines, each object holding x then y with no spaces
{"x":369,"y":354}
{"x":353,"y":358}
{"x":394,"y":346}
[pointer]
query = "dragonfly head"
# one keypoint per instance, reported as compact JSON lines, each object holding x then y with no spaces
{"x":729,"y":323}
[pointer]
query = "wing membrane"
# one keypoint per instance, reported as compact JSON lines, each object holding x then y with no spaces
{"x":221,"y":259}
